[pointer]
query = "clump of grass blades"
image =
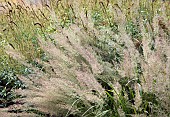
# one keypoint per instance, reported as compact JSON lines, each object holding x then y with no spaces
{"x":25,"y":41}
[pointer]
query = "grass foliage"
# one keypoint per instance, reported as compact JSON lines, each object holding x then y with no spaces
{"x":114,"y":28}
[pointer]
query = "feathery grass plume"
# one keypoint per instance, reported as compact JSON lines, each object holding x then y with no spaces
{"x":88,"y":58}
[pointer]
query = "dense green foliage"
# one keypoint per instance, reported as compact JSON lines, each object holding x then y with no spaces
{"x":8,"y":83}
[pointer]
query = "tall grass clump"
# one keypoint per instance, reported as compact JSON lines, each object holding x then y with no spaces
{"x":130,"y":17}
{"x":128,"y":39}
{"x":19,"y":34}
